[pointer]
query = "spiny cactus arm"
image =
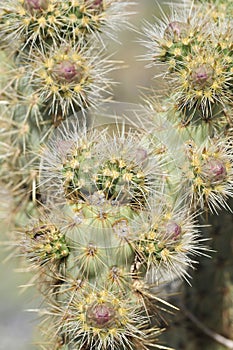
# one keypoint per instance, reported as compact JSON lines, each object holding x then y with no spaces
{"x":211,"y":295}
{"x":55,"y":67}
{"x":111,"y":237}
{"x":196,"y":56}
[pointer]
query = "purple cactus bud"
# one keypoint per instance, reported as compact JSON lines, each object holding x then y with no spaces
{"x":202,"y":76}
{"x":66,"y":71}
{"x":173,"y":230}
{"x":36,"y":5}
{"x":214,"y":170}
{"x":101,"y":315}
{"x":95,"y":4}
{"x":176,"y":30}
{"x":141,"y":155}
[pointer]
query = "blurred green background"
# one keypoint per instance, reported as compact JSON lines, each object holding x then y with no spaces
{"x":16,"y":324}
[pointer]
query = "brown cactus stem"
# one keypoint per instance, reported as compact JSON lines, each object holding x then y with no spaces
{"x":205,"y":319}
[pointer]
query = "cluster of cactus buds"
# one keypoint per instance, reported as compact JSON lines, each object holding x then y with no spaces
{"x":115,"y":205}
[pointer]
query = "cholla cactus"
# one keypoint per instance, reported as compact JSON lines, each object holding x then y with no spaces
{"x":115,"y":206}
{"x":115,"y":238}
{"x":200,"y":113}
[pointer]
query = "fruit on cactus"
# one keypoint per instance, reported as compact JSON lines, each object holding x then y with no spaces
{"x":172,"y":38}
{"x":173,"y":230}
{"x":203,"y":82}
{"x":214,"y":170}
{"x":65,"y":79}
{"x":100,"y":315}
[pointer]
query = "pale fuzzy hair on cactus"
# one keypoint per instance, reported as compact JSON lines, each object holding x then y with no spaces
{"x":28,"y":23}
{"x":95,"y":318}
{"x":208,"y":174}
{"x":121,"y":164}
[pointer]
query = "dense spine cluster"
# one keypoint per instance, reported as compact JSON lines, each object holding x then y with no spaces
{"x":194,"y":49}
{"x":116,"y":206}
